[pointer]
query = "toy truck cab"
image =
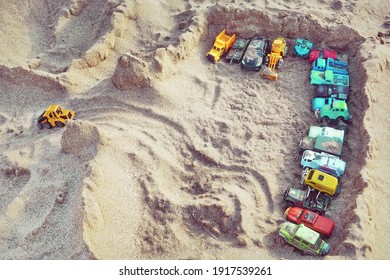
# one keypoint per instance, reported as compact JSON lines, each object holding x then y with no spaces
{"x":327,"y":77}
{"x":222,"y":44}
{"x":54,"y":116}
{"x":302,"y":48}
{"x":303,"y":238}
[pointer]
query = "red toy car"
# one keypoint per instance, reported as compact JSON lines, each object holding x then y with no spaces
{"x":314,"y":54}
{"x":310,"y":219}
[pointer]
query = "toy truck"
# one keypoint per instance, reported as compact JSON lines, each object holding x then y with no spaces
{"x":54,"y":116}
{"x":318,"y":102}
{"x":323,"y":139}
{"x":303,"y":238}
{"x":337,"y":66}
{"x":321,"y":181}
{"x":221,"y":46}
{"x":236,"y":52}
{"x":315,"y":54}
{"x":308,"y":198}
{"x":274,"y":59}
{"x":327,"y":77}
{"x":333,"y":91}
{"x":302,"y":48}
{"x":325,"y":162}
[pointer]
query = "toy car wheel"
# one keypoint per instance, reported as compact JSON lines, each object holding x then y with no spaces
{"x":39,"y":125}
{"x":304,"y":173}
{"x":280,"y":240}
{"x":310,"y":253}
{"x":338,"y":190}
{"x":326,"y":119}
{"x":60,"y":124}
{"x":279,"y":65}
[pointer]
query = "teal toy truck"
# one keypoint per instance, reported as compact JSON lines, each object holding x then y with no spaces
{"x":302,"y":48}
{"x":303,"y":238}
{"x":336,"y":66}
{"x":327,"y":77}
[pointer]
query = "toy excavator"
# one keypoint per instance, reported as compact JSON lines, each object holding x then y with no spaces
{"x":274,"y":59}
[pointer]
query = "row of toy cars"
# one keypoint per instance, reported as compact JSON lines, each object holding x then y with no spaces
{"x":321,"y":162}
{"x":251,"y":53}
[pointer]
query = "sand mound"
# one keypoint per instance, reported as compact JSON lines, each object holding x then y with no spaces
{"x":81,"y":139}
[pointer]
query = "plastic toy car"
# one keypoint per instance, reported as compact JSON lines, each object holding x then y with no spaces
{"x":337,"y":110}
{"x":221,"y":46}
{"x":255,"y":53}
{"x":333,"y":91}
{"x":302,"y":48}
{"x":323,"y":139}
{"x":320,"y":181}
{"x":308,"y":198}
{"x":310,"y":219}
{"x":327,"y":77}
{"x":54,"y":116}
{"x":325,"y":162}
{"x":236,"y":53}
{"x":303,"y":238}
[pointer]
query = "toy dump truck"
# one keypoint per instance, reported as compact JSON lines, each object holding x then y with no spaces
{"x":274,"y":59}
{"x":221,"y":46}
{"x":303,"y":238}
{"x":337,"y":66}
{"x":327,"y":77}
{"x":236,"y":52}
{"x":54,"y":116}
{"x":323,"y":139}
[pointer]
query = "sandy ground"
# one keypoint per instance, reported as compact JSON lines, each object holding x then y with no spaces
{"x":170,"y":156}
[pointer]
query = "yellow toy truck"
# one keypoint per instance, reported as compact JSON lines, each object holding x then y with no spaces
{"x":275,"y":59}
{"x":54,"y":116}
{"x":221,"y":46}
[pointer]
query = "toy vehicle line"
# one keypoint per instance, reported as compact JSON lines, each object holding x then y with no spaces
{"x":274,"y":59}
{"x":337,"y":66}
{"x":333,"y":91}
{"x":222,"y":44}
{"x":323,"y":139}
{"x":325,"y":162}
{"x":254,"y":55}
{"x":315,"y":54}
{"x":237,"y":51}
{"x":320,"y":224}
{"x":302,"y":48}
{"x":327,"y":77}
{"x":320,"y":181}
{"x":308,"y":198}
{"x":303,"y":238}
{"x":54,"y":116}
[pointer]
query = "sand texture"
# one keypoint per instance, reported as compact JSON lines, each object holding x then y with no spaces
{"x":171,"y":156}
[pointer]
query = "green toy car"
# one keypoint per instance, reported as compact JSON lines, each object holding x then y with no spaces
{"x":303,"y":238}
{"x":334,"y":111}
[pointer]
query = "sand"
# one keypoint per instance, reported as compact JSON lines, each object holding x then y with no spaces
{"x":171,"y":156}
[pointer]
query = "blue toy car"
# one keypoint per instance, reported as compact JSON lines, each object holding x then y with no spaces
{"x":302,"y":48}
{"x":318,"y":102}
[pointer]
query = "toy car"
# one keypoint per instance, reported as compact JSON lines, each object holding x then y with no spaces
{"x":320,"y":181}
{"x":310,"y":219}
{"x":308,"y":198}
{"x":325,"y":162}
{"x":337,"y":110}
{"x":54,"y":116}
{"x":255,"y":53}
{"x":327,"y":77}
{"x":236,"y":53}
{"x":303,"y":238}
{"x":323,"y":139}
{"x":315,"y":54}
{"x":333,"y":91}
{"x":302,"y":48}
